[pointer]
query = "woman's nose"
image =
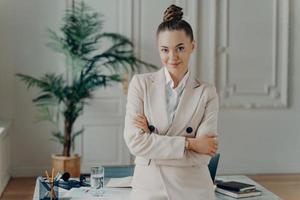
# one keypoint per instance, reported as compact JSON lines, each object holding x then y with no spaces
{"x":173,"y":55}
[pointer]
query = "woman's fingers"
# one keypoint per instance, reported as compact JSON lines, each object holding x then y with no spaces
{"x":141,"y":125}
{"x":141,"y":119}
{"x":206,"y":144}
{"x":216,"y":147}
{"x":216,"y":141}
{"x":138,"y":120}
{"x":211,"y":154}
{"x":143,"y":116}
{"x":211,"y":135}
{"x":138,"y":124}
{"x":213,"y":148}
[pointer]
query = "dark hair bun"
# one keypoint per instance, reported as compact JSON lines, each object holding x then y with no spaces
{"x":173,"y":13}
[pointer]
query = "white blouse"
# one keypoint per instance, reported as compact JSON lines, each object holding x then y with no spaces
{"x":173,"y":94}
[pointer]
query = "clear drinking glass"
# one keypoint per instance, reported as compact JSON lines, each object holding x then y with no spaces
{"x":97,"y":180}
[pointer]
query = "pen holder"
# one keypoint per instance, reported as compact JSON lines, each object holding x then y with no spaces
{"x":47,"y":190}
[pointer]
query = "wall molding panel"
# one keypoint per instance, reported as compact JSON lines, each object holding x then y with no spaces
{"x":242,"y":71}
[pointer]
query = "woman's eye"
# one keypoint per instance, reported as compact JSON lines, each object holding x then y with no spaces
{"x":180,"y":49}
{"x":164,"y":50}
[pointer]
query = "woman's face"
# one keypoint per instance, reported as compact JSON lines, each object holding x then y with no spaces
{"x":175,"y":48}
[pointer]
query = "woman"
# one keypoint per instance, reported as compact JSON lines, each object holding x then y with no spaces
{"x":171,"y":121}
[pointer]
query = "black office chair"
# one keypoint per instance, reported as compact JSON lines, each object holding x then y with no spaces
{"x":213,"y":165}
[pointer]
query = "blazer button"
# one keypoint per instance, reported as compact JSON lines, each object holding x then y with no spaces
{"x":189,"y":129}
{"x":151,"y":128}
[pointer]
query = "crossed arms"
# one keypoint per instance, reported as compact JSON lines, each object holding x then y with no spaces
{"x":141,"y":143}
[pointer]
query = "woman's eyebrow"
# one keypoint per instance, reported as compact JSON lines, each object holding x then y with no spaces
{"x":179,"y":44}
{"x":175,"y":46}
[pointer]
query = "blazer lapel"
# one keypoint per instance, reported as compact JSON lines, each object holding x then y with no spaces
{"x":157,"y":101}
{"x":187,"y":105}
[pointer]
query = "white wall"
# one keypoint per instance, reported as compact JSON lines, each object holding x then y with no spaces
{"x":31,"y":145}
{"x":7,"y":53}
{"x":7,"y":59}
{"x":252,"y":140}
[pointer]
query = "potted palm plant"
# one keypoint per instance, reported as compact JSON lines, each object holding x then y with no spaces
{"x":63,"y":96}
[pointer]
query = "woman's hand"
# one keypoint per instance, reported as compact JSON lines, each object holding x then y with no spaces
{"x":205,"y":144}
{"x":141,"y":122}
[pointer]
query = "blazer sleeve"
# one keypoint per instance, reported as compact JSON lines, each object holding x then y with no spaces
{"x":144,"y":144}
{"x":207,"y":124}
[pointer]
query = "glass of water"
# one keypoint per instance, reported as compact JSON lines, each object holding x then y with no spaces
{"x":97,"y":180}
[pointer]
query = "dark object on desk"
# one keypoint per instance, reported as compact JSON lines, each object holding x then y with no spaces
{"x":68,"y":184}
{"x":235,"y":194}
{"x":235,"y":186}
{"x":213,"y":166}
{"x":65,"y":176}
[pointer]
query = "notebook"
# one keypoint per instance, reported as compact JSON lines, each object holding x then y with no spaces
{"x":235,"y":186}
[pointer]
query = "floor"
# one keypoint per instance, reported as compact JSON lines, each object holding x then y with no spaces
{"x":286,"y":186}
{"x":19,"y":189}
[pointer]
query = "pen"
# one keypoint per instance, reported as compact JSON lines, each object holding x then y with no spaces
{"x":52,"y":175}
{"x":47,"y":175}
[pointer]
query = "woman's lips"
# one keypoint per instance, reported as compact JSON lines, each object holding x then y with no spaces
{"x":174,"y":64}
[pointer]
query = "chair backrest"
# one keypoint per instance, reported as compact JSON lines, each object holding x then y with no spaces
{"x":213,"y":165}
{"x":118,"y":171}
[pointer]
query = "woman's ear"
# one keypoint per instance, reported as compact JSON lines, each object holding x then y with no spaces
{"x":194,"y":45}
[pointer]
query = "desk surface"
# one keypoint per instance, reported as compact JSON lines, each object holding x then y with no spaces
{"x":123,"y":193}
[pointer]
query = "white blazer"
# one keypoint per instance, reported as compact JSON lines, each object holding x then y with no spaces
{"x":179,"y":174}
